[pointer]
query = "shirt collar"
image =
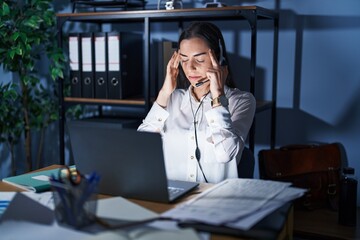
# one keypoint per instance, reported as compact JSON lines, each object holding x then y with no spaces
{"x":186,"y":102}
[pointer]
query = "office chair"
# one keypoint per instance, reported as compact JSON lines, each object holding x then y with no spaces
{"x":247,"y":164}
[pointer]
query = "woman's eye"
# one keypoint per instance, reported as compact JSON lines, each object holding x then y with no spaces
{"x":184,"y":60}
{"x":200,"y":60}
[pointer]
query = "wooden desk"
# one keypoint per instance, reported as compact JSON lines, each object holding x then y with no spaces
{"x":323,"y":224}
{"x":284,"y":233}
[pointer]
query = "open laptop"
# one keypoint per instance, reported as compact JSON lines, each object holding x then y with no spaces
{"x":130,"y":163}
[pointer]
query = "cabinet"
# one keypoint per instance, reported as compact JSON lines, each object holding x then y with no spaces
{"x":251,"y":14}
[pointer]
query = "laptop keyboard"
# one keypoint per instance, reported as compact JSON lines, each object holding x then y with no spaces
{"x":174,"y":191}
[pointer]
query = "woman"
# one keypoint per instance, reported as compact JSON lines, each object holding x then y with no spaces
{"x":204,"y":125}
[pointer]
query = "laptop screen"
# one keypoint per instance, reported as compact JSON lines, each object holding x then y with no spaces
{"x":130,"y":163}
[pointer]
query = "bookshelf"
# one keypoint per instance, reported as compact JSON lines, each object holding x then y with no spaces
{"x":251,"y":14}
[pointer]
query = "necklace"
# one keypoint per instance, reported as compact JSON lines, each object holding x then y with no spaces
{"x":197,"y":150}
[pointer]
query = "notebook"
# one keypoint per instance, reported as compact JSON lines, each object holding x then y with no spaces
{"x":130,"y":163}
{"x":35,"y":182}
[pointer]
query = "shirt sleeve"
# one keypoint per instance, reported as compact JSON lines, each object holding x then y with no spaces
{"x":155,"y":119}
{"x":229,"y":126}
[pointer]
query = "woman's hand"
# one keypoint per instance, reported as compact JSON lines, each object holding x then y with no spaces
{"x":172,"y":71}
{"x":217,"y":76}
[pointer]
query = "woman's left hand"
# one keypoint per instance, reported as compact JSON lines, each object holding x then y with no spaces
{"x":217,"y":76}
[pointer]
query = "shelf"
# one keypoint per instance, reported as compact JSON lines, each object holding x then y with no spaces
{"x":138,"y":102}
{"x":244,"y":12}
{"x":260,"y":105}
{"x":111,"y":3}
{"x":251,"y":14}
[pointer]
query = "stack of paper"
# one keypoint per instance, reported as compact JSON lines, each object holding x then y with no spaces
{"x":236,"y":203}
{"x":29,"y":215}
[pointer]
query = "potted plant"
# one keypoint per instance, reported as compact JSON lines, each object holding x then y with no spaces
{"x":27,"y":37}
{"x":11,"y":125}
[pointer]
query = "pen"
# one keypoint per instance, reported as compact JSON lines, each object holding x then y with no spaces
{"x":198,"y":84}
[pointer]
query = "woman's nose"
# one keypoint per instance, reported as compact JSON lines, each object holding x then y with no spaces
{"x":192,"y":65}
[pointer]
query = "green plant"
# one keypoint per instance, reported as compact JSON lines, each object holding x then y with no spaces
{"x":11,"y":126}
{"x":27,"y":36}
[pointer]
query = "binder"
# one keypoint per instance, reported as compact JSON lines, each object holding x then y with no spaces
{"x":74,"y":57}
{"x":114,"y":76}
{"x":125,"y":65}
{"x":100,"y":65}
{"x":87,"y":74}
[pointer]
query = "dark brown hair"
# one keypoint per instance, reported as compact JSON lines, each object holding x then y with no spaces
{"x":212,"y":35}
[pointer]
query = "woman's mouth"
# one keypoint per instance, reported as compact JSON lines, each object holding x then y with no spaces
{"x":195,"y":78}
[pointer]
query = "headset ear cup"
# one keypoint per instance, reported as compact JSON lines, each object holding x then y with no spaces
{"x":222,"y":60}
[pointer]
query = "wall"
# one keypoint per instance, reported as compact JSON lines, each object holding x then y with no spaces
{"x":318,"y":71}
{"x":318,"y":75}
{"x":318,"y":93}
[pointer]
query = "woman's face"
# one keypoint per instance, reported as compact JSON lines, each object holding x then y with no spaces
{"x":195,"y":59}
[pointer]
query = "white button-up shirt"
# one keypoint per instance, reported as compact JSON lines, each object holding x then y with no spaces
{"x":221,"y":134}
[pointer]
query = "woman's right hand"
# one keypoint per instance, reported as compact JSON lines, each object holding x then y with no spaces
{"x":172,"y":71}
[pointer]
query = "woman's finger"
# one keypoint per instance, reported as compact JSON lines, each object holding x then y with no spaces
{"x":213,"y":59}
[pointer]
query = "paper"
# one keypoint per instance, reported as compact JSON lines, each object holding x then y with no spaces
{"x":74,"y":53}
{"x":86,"y":53}
{"x":114,"y":53}
{"x":45,"y":198}
{"x":122,"y":209}
{"x":37,"y":221}
{"x":228,"y":201}
{"x":144,"y":233}
{"x":100,"y":53}
{"x":236,"y":203}
{"x":23,"y":208}
{"x":249,"y":221}
{"x":11,"y":230}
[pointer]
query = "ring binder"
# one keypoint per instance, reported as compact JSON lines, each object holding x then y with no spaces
{"x":113,"y":54}
{"x":87,"y":65}
{"x":100,"y":65}
{"x":74,"y":57}
{"x":124,"y":77}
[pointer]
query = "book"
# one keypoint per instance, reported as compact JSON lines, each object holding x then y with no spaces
{"x":35,"y":181}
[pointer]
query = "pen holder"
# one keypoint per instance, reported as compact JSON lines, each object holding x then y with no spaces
{"x":75,"y":204}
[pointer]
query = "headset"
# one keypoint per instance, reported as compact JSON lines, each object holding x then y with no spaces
{"x":222,"y":60}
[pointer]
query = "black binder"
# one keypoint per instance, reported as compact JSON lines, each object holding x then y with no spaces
{"x":87,"y":73}
{"x":125,"y":65}
{"x":74,"y":57}
{"x":100,"y":65}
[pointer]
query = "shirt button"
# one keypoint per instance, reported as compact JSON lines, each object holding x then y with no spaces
{"x":192,"y":157}
{"x":159,"y":119}
{"x":192,"y":137}
{"x":191,"y":175}
{"x":212,"y":121}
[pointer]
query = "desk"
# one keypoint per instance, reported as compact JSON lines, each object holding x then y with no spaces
{"x":284,"y":232}
{"x":323,"y":224}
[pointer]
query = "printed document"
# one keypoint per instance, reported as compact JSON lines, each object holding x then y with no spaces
{"x":231,"y":200}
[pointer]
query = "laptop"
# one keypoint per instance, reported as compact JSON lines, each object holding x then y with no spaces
{"x":130,"y":163}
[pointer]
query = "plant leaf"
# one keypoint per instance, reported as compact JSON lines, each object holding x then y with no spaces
{"x":5,"y":9}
